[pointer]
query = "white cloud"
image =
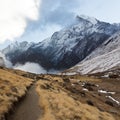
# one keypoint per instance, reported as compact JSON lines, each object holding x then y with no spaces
{"x":30,"y":67}
{"x":105,"y":10}
{"x":4,"y":62}
{"x":54,"y":15}
{"x":47,"y":31}
{"x":14,"y":15}
{"x":41,"y":33}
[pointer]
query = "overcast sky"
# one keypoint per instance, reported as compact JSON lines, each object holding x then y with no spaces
{"x":35,"y":20}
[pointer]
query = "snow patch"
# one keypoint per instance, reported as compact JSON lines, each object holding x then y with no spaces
{"x":106,"y":92}
{"x":84,"y":89}
{"x":90,"y":19}
{"x":113,"y":99}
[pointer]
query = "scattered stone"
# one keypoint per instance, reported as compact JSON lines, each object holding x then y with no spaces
{"x":113,"y":75}
{"x":89,"y":102}
{"x":84,"y":89}
{"x":89,"y":86}
{"x":82,"y":94}
{"x":66,"y":79}
{"x":73,"y":91}
{"x":109,"y":103}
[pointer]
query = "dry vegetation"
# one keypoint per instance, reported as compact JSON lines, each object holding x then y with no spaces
{"x":12,"y":87}
{"x":58,"y":104}
{"x":61,"y":97}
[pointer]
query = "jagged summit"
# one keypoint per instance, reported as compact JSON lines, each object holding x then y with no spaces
{"x":87,"y":18}
{"x":15,"y":46}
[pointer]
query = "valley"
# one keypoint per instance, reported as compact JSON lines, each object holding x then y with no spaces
{"x":61,"y":96}
{"x":59,"y":60}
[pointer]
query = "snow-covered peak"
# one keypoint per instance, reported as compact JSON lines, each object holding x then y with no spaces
{"x":22,"y":46}
{"x":85,"y":27}
{"x":67,"y":47}
{"x":87,"y":18}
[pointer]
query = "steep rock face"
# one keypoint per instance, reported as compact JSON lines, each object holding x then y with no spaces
{"x":109,"y":45}
{"x":16,"y":46}
{"x":15,"y":49}
{"x":67,"y":47}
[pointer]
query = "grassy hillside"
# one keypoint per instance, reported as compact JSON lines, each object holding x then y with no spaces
{"x":12,"y":87}
{"x":60,"y":98}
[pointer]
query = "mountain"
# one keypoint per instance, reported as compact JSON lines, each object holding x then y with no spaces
{"x":64,"y":48}
{"x":16,"y":48}
{"x":104,"y":58}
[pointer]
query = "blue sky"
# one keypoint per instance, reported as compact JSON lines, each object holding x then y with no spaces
{"x":35,"y":20}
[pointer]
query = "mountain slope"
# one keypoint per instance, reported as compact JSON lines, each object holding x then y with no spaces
{"x":109,"y":45}
{"x":105,"y":57}
{"x":67,"y":47}
{"x":16,"y":46}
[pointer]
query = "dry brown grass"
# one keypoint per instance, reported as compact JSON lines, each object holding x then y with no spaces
{"x":58,"y":105}
{"x":82,"y":78}
{"x":12,"y":87}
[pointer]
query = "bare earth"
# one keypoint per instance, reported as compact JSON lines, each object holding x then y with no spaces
{"x":28,"y":108}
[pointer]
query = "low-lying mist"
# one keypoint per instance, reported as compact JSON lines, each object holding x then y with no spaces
{"x":30,"y":67}
{"x":4,"y":62}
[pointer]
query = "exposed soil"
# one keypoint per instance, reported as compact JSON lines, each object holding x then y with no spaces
{"x":28,"y":108}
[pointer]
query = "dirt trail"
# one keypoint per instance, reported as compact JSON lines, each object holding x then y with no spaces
{"x":28,"y":108}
